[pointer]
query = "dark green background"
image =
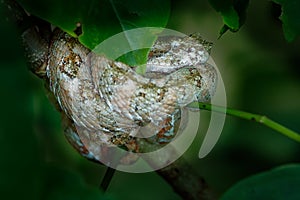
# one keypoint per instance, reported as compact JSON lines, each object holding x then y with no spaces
{"x":261,"y":74}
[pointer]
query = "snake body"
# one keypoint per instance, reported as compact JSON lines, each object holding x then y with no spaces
{"x":108,"y":103}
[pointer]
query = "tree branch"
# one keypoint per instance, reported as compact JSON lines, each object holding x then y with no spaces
{"x":185,"y":181}
{"x":249,"y":116}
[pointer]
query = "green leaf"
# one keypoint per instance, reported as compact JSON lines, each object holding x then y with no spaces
{"x":136,"y":13}
{"x":100,"y":20}
{"x":290,"y":16}
{"x":280,"y":183}
{"x":233,"y":13}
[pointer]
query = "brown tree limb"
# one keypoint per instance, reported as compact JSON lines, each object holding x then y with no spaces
{"x":185,"y":181}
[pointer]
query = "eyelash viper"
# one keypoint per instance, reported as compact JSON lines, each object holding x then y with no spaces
{"x":107,"y":103}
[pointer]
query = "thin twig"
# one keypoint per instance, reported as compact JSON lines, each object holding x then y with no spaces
{"x":107,"y":178}
{"x":249,"y":116}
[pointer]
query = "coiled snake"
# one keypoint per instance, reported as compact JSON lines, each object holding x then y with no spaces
{"x":107,"y":103}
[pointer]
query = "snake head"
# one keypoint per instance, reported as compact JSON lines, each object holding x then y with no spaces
{"x":181,"y":63}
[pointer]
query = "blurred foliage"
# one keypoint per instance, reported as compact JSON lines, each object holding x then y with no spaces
{"x":261,"y":74}
{"x":280,"y":183}
{"x":290,"y":18}
{"x":67,"y":185}
{"x":232,"y":12}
